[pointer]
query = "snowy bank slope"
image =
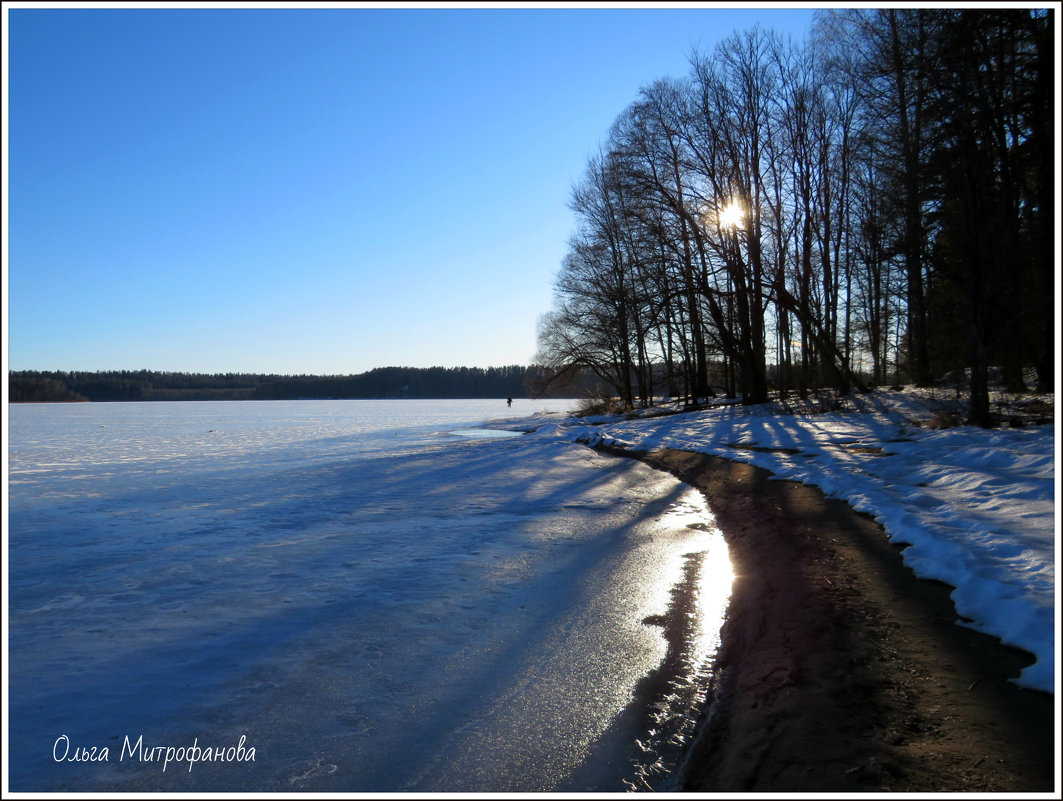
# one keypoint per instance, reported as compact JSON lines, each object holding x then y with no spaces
{"x":976,"y":506}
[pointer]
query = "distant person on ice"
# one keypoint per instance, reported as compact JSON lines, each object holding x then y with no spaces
{"x":509,"y":401}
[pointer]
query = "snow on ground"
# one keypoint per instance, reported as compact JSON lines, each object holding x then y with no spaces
{"x":976,"y":506}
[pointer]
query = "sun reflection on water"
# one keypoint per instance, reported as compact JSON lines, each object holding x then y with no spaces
{"x":715,"y":576}
{"x":714,"y":593}
{"x":694,"y":591}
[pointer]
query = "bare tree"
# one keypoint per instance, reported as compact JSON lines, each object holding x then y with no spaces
{"x":834,"y":197}
{"x":891,"y":52}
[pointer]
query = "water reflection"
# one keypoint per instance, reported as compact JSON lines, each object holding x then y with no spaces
{"x":684,"y":579}
{"x":710,"y":584}
{"x":484,"y":433}
{"x":698,"y":589}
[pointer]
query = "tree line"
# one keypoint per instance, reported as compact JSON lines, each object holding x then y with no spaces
{"x":871,"y":205}
{"x":512,"y":381}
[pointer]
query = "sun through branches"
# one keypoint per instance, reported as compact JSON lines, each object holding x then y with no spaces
{"x":731,"y":215}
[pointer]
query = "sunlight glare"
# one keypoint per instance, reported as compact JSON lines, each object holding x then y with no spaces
{"x":731,"y":215}
{"x":715,"y":576}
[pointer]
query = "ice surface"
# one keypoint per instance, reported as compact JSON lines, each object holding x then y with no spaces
{"x":374,"y":603}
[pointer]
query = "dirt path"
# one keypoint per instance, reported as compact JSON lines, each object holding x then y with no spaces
{"x":840,"y":670}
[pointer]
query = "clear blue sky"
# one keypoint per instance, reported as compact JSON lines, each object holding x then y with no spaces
{"x":310,"y":191}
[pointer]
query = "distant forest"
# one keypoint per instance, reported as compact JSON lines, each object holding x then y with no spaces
{"x":32,"y":386}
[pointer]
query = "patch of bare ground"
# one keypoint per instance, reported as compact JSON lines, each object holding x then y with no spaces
{"x":840,"y":670}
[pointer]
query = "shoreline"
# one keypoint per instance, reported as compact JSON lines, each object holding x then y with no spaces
{"x":841,"y":671}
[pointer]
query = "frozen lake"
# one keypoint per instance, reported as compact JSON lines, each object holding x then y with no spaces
{"x":375,"y":596}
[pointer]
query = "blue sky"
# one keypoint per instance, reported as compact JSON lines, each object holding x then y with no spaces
{"x":310,"y":190}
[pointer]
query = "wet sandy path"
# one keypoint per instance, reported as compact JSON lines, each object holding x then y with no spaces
{"x":840,"y":670}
